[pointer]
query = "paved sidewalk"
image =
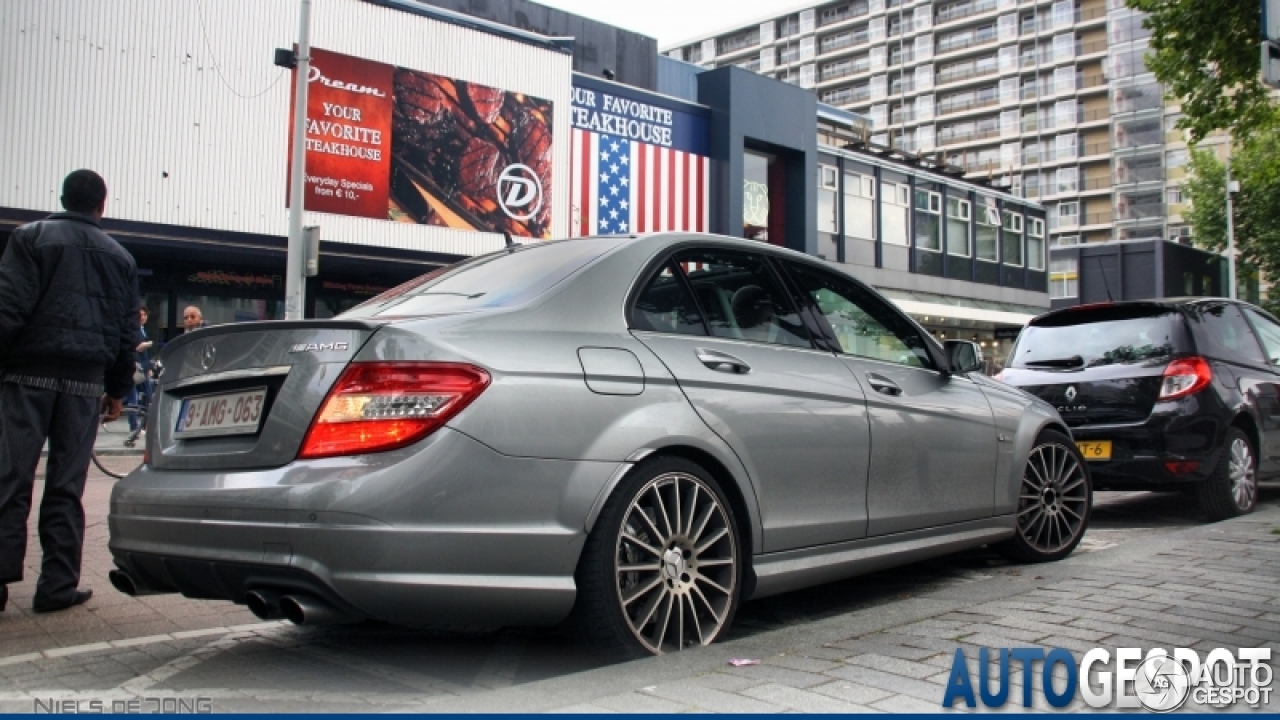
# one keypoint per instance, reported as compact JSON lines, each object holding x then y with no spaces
{"x":882,"y":643}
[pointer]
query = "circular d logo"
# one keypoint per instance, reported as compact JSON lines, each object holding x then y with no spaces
{"x":519,"y":192}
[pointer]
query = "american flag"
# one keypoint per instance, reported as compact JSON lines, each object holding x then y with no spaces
{"x":626,"y":186}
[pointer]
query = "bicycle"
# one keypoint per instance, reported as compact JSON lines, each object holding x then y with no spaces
{"x":121,"y":464}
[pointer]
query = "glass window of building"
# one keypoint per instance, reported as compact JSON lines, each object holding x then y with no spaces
{"x":1175,"y":158}
{"x":958,"y":217}
{"x":987,"y":233}
{"x":859,"y":206}
{"x":1064,"y":240}
{"x":1035,"y":243}
{"x":1012,"y":238}
{"x":1063,"y":279}
{"x":1174,"y":196}
{"x":928,"y":220}
{"x":827,"y":189}
{"x":756,"y":195}
{"x":894,"y":209}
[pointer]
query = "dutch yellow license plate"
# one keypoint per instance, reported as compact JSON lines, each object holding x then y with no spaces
{"x":1095,"y":449}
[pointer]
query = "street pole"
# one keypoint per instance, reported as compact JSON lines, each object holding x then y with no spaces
{"x":1231,"y":240}
{"x":295,"y":282}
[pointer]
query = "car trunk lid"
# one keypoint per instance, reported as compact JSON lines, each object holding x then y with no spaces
{"x":1099,"y":365}
{"x":266,"y":379}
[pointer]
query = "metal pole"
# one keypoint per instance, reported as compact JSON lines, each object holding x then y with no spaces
{"x":1231,"y":240}
{"x":295,"y":282}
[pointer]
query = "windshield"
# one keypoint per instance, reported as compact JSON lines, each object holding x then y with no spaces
{"x":500,"y":279}
{"x":1146,"y":340}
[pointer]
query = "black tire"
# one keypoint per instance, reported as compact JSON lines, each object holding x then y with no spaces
{"x":1055,"y":499}
{"x":637,"y":571}
{"x":1232,"y":489}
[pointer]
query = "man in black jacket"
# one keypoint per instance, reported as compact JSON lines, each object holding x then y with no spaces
{"x":68,"y":331}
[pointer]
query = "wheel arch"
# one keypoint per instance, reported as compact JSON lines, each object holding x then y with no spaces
{"x":1245,"y":421}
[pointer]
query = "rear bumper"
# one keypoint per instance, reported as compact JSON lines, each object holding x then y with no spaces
{"x":1183,"y":432}
{"x":445,"y":532}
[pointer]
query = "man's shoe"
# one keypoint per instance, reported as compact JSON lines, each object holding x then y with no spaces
{"x":82,"y":596}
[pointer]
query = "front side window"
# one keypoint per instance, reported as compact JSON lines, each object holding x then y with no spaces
{"x":862,"y":323}
{"x":666,"y":306}
{"x":740,"y":297}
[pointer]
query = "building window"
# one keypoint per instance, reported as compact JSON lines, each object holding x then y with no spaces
{"x":1012,"y":238}
{"x":894,"y":208}
{"x":1063,"y":278}
{"x":1064,"y":240}
{"x":987,"y":235}
{"x":1035,"y":243}
{"x":1174,"y":196}
{"x":1175,"y":158}
{"x":1180,"y":234}
{"x":958,"y":216}
{"x":1068,"y":214}
{"x":859,"y":206}
{"x":928,"y":226}
{"x":827,"y":176}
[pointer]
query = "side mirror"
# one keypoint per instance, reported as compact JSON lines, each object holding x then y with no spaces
{"x":963,"y":356}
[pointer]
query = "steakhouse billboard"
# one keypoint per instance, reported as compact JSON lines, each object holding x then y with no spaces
{"x":391,"y":143}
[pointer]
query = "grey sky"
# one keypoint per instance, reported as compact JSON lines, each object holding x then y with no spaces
{"x":672,"y":21}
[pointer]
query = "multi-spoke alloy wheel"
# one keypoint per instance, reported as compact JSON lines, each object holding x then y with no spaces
{"x":677,"y":564}
{"x":662,"y":568}
{"x":1232,"y":488}
{"x":1053,"y":502}
{"x":1244,"y":483}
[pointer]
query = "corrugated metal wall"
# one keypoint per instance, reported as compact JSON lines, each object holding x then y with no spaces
{"x":178,"y":105}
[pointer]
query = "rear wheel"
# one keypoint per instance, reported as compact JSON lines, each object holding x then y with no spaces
{"x":662,"y":568}
{"x":1053,"y":502}
{"x":1232,"y":489}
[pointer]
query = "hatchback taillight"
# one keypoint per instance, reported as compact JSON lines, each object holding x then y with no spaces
{"x":377,"y":406}
{"x":1184,"y":377}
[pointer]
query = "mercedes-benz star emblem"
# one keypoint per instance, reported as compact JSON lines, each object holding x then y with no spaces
{"x":208,"y":356}
{"x":1071,"y":393}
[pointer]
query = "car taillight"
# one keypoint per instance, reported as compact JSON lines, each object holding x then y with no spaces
{"x":377,"y":406}
{"x":1185,"y":376}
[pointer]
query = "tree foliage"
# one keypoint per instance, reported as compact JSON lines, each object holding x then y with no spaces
{"x":1255,"y":164}
{"x":1207,"y":53}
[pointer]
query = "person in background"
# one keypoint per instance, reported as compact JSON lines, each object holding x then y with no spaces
{"x":192,"y":319}
{"x":140,"y":394}
{"x":68,"y":338}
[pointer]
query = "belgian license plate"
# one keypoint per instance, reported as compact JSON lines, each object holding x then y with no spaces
{"x":1095,"y":449}
{"x":234,"y":413}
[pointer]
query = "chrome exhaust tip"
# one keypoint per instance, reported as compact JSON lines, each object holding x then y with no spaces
{"x":308,"y":610}
{"x":265,"y":604}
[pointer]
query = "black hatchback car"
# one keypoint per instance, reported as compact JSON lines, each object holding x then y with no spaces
{"x":1169,"y":394}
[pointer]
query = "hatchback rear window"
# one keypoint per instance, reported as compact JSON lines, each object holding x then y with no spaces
{"x":1079,"y":339}
{"x":499,"y":279}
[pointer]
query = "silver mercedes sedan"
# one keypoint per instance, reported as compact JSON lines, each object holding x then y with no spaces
{"x":633,"y":433}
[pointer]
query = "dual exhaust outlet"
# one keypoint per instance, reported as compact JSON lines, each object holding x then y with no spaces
{"x":297,"y":608}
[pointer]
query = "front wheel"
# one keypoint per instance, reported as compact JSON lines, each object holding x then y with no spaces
{"x":1232,"y":489}
{"x":1053,"y":503}
{"x":662,"y":568}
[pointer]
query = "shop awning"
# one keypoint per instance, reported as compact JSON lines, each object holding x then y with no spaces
{"x":960,"y":312}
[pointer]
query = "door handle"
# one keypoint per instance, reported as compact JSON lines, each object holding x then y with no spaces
{"x":882,"y":384}
{"x":722,"y":362}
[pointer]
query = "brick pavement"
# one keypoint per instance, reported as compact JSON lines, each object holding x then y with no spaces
{"x":879,"y":643}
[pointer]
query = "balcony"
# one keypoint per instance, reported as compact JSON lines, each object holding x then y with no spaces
{"x":1084,"y":82}
{"x":738,"y":42}
{"x":955,"y":12}
{"x":844,"y":68}
{"x":788,"y":55}
{"x":1091,"y":47}
{"x":1097,"y":148}
{"x":902,"y":116}
{"x":1094,"y":115}
{"x":832,"y":43}
{"x":846,"y":95}
{"x":1099,"y":218}
{"x":964,"y":40}
{"x":832,"y":16}
{"x":898,"y":58}
{"x":948,"y":106}
{"x":955,"y":137}
{"x":1098,"y":183}
{"x":899,"y":88}
{"x":752,"y":65}
{"x":956,"y":74}
{"x":1031,"y":59}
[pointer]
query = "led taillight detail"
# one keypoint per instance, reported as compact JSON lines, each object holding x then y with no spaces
{"x":378,"y":406}
{"x":1185,"y":376}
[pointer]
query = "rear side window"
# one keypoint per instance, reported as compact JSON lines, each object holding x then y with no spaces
{"x":500,"y":279}
{"x":1221,"y":332}
{"x":1268,"y":333}
{"x":1078,"y":338}
{"x":666,"y":306}
{"x":740,"y":297}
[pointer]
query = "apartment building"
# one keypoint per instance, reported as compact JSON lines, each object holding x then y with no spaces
{"x":1050,"y":99}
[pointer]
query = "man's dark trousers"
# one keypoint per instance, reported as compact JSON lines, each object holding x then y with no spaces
{"x":29,"y":415}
